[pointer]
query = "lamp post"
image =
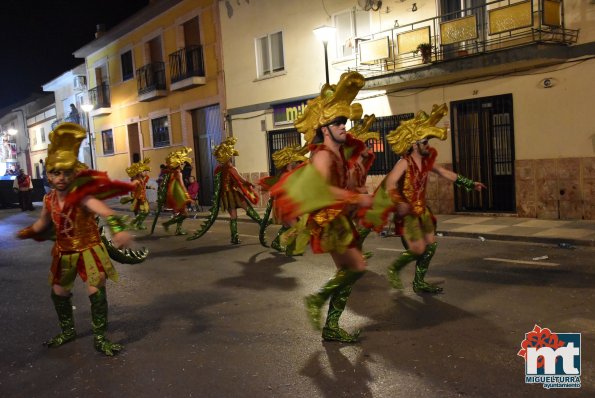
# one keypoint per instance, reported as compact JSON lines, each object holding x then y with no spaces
{"x":88,"y":108}
{"x":324,"y":33}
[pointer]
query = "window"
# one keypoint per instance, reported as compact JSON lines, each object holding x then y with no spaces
{"x":350,"y":24}
{"x":269,"y":54}
{"x":279,"y":139}
{"x":160,"y":127}
{"x":127,"y":66}
{"x":34,"y":138}
{"x":42,"y":134}
{"x":107,"y":138}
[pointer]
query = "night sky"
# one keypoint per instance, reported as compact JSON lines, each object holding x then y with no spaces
{"x":37,"y":39}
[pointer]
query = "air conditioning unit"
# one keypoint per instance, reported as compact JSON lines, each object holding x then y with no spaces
{"x":79,"y":83}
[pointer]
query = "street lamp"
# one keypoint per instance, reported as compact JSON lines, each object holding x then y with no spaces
{"x":88,"y":108}
{"x":324,"y":33}
{"x":12,"y":131}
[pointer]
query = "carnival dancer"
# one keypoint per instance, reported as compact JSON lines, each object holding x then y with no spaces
{"x":231,"y":192}
{"x":359,"y":172}
{"x":172,"y":192}
{"x":139,"y":205}
{"x":403,"y":192}
{"x":72,"y":207}
{"x":317,"y":191}
{"x":285,"y":160}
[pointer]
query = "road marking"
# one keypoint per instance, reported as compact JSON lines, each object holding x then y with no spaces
{"x":386,"y":249}
{"x":250,"y":236}
{"x":507,"y":260}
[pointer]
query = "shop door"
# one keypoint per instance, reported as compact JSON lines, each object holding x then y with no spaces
{"x":483,"y":150}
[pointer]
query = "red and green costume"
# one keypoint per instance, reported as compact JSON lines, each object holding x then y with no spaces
{"x":80,"y":250}
{"x":231,"y":192}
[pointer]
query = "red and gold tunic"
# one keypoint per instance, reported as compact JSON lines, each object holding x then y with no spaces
{"x":327,"y":226}
{"x":140,"y":204}
{"x":78,"y":245}
{"x":177,"y":196}
{"x":412,"y":185}
{"x":234,"y":189}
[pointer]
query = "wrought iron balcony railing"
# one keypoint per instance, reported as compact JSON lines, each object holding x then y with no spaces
{"x":150,"y":77}
{"x":71,"y":119}
{"x":100,"y":96}
{"x":185,"y":63}
{"x":494,"y":26}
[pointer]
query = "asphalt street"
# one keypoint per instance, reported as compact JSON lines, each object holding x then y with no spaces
{"x":204,"y":318}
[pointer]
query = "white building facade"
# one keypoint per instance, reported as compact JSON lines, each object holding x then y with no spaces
{"x":518,"y":77}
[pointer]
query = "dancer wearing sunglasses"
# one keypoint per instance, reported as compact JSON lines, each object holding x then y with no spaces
{"x":318,"y":193}
{"x":404,"y":192}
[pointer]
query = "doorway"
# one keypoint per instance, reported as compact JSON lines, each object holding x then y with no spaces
{"x":134,"y":147}
{"x":483,"y":150}
{"x":207,"y":133}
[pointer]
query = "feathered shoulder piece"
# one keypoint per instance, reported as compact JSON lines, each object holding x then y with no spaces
{"x":97,"y":184}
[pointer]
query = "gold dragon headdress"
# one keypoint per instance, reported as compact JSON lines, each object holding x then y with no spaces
{"x":225,"y":151}
{"x":65,"y":141}
{"x":177,"y":158}
{"x":138,"y":167}
{"x":362,"y":132}
{"x":288,"y":155}
{"x":416,"y":129}
{"x":334,"y":101}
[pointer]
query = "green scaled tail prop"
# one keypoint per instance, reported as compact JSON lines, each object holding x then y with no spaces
{"x":265,"y":223}
{"x":213,"y":211}
{"x":161,"y":195}
{"x":126,"y":256}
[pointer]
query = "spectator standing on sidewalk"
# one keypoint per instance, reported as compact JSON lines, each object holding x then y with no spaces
{"x":24,"y":186}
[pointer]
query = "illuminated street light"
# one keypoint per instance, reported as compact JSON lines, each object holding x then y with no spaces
{"x":324,"y":34}
{"x":12,"y":131}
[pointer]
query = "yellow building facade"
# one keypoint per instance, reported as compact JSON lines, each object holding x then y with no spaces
{"x":155,"y":84}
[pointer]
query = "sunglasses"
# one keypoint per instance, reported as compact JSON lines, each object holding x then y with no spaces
{"x":423,"y":142}
{"x":338,"y":121}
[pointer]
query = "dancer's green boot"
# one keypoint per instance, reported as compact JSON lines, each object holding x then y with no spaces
{"x":422,"y":265}
{"x":169,"y":223}
{"x":139,"y":220}
{"x":393,"y":271}
{"x":233,"y":227}
{"x":179,"y":220}
{"x":99,"y":318}
{"x":314,"y":302}
{"x":63,"y":306}
{"x":331,"y":330}
{"x":276,"y":243}
{"x":250,"y":212}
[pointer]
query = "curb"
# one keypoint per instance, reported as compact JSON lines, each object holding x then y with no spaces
{"x":561,"y":243}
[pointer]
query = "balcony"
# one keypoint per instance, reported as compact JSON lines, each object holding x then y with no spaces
{"x":150,"y":81}
{"x":496,"y":38}
{"x":100,"y":98}
{"x":186,"y":68}
{"x":70,"y":119}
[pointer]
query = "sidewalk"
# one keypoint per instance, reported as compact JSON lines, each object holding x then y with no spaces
{"x":508,"y":228}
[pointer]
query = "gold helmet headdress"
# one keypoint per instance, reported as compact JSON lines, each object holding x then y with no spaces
{"x":362,"y":132}
{"x":416,"y":129}
{"x":177,"y":158}
{"x":334,"y":101}
{"x":138,"y":167}
{"x":225,"y":151}
{"x":288,"y":155}
{"x":65,"y":141}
